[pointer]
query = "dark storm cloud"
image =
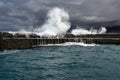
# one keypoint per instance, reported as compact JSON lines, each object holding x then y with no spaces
{"x":18,"y":14}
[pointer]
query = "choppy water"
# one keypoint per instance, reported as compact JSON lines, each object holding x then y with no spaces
{"x":73,"y":62}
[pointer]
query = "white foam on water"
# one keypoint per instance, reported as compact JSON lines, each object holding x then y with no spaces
{"x":72,"y":44}
{"x":5,"y":52}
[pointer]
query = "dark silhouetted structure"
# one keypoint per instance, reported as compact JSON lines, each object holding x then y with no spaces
{"x":21,"y":41}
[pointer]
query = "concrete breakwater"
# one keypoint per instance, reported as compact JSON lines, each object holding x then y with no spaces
{"x":21,"y":41}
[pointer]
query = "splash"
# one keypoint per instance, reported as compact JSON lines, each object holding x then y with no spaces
{"x":80,"y":31}
{"x":22,"y":32}
{"x":102,"y":30}
{"x":57,"y":23}
{"x":73,"y":44}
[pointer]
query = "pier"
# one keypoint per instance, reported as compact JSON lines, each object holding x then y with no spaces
{"x":21,"y":41}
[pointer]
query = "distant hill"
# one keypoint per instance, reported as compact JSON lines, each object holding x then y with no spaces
{"x":113,"y":29}
{"x":112,"y":26}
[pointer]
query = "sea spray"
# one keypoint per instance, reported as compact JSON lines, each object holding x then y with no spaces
{"x":25,"y":32}
{"x":102,"y":30}
{"x":80,"y":31}
{"x":22,"y":32}
{"x":57,"y":23}
{"x":72,"y":44}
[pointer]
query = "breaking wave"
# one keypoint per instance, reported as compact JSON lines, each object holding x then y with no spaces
{"x":72,"y":44}
{"x":6,"y":52}
{"x":80,"y":31}
{"x":57,"y":23}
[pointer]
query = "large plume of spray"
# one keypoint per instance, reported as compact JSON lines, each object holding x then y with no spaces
{"x":57,"y":23}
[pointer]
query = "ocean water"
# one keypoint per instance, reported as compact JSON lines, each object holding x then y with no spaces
{"x":61,"y":62}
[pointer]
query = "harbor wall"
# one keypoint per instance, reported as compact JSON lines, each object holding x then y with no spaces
{"x":9,"y":41}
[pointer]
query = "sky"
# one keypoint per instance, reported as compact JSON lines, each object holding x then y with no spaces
{"x":24,"y":14}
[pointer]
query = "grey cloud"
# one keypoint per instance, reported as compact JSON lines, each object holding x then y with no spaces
{"x":93,"y":18}
{"x":18,"y":14}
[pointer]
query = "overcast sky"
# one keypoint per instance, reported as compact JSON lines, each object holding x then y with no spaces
{"x":18,"y":14}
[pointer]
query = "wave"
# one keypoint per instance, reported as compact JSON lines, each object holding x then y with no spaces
{"x":72,"y":44}
{"x":6,"y":52}
{"x":80,"y":31}
{"x":57,"y":25}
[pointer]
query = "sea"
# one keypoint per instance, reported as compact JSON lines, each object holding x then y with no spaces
{"x":71,"y":61}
